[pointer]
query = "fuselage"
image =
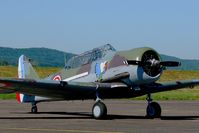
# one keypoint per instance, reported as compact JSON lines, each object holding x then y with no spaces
{"x":109,"y":66}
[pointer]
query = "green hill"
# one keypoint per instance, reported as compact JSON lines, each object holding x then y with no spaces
{"x":40,"y":56}
{"x":55,"y":58}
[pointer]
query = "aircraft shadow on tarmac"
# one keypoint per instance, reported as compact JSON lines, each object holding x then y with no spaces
{"x":85,"y":115}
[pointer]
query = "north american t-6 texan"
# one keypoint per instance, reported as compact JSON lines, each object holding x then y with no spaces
{"x":101,"y":73}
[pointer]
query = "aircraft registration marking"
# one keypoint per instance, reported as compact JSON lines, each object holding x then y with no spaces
{"x":76,"y":76}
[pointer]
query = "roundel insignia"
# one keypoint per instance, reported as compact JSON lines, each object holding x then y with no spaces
{"x":57,"y":77}
{"x":2,"y":85}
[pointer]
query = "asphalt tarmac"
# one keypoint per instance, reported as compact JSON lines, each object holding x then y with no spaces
{"x":124,"y":116}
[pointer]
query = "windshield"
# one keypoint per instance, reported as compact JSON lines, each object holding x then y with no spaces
{"x":89,"y":56}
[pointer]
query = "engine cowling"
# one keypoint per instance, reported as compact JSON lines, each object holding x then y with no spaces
{"x":146,"y":64}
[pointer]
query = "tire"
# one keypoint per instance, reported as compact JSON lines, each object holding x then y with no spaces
{"x":99,"y":110}
{"x":34,"y":110}
{"x":153,"y":110}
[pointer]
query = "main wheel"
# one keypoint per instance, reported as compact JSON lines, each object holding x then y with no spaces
{"x":99,"y":110}
{"x":34,"y":109}
{"x":153,"y":110}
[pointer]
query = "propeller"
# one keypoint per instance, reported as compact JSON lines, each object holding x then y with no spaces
{"x":155,"y":63}
{"x":151,"y":64}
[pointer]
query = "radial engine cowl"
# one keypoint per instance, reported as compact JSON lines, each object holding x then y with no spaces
{"x":152,"y":64}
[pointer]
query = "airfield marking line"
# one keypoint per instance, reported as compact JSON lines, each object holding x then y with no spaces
{"x":56,"y":130}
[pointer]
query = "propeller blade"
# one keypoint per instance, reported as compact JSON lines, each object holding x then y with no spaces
{"x":170,"y":63}
{"x":157,"y":63}
{"x":134,"y":62}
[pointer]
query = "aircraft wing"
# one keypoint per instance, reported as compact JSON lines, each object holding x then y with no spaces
{"x":80,"y":90}
{"x":57,"y":89}
{"x":160,"y":87}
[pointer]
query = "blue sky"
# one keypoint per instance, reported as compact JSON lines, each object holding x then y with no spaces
{"x":170,"y":26}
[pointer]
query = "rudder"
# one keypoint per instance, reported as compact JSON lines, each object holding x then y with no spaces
{"x":25,"y":71}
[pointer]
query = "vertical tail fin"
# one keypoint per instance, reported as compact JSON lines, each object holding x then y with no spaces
{"x":25,"y":71}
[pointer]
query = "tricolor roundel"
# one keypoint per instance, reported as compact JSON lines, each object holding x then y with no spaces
{"x":57,"y":78}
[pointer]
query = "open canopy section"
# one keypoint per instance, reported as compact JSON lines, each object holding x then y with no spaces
{"x":89,"y":56}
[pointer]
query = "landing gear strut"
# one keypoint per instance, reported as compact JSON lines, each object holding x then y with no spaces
{"x":153,"y":109}
{"x":34,"y":109}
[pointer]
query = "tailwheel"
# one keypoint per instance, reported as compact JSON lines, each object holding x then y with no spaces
{"x":153,"y":110}
{"x":99,"y":110}
{"x":34,"y":109}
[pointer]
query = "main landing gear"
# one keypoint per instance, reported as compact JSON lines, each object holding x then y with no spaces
{"x":34,"y":109}
{"x":153,"y":109}
{"x":99,"y":110}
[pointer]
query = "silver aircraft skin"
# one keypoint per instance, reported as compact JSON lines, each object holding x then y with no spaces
{"x":101,"y":73}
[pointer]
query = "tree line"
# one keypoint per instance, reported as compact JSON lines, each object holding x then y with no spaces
{"x":3,"y":63}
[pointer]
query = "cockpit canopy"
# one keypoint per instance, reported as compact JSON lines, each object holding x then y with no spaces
{"x":89,"y":56}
